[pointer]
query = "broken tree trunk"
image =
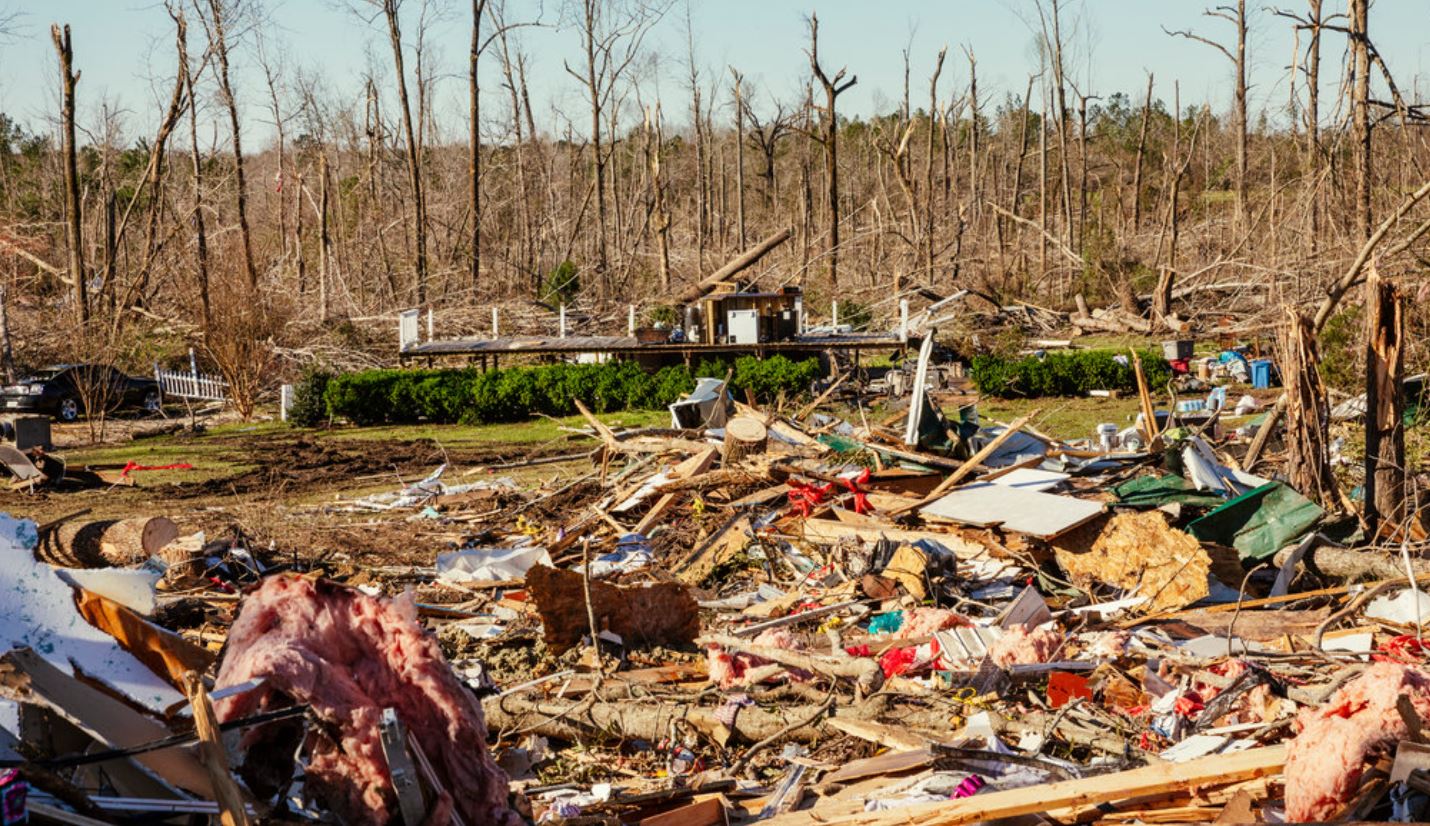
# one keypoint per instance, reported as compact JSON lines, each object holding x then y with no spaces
{"x":743,"y":261}
{"x":744,"y":436}
{"x":1384,"y":404}
{"x":105,"y":543}
{"x":1308,"y":465}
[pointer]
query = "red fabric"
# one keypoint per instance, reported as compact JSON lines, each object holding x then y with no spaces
{"x":133,"y":465}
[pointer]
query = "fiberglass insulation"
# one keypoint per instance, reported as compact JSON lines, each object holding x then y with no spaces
{"x":348,"y":656}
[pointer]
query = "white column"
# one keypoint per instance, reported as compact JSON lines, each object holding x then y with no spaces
{"x":630,"y":320}
{"x":563,"y":320}
{"x":834,"y":313}
{"x":429,"y":324}
{"x":904,"y":320}
{"x":496,"y":323}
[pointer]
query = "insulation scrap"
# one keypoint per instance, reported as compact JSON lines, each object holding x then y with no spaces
{"x":349,"y":656}
{"x":1025,"y":645}
{"x":924,"y":622}
{"x":1138,"y":552}
{"x":1107,"y":645}
{"x":1326,"y":759}
{"x":662,"y":614}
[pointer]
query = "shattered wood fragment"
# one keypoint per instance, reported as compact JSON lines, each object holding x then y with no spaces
{"x":1308,"y":465}
{"x":726,"y":542}
{"x":1385,"y":403}
{"x":164,"y":652}
{"x":1141,"y":553}
{"x":661,"y":614}
{"x":233,"y":810}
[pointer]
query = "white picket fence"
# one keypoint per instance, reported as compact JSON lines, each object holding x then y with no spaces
{"x":190,"y":385}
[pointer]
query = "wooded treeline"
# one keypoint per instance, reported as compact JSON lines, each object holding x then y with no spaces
{"x":1140,"y":199}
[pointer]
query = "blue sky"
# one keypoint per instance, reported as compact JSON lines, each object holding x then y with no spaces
{"x":123,"y":49}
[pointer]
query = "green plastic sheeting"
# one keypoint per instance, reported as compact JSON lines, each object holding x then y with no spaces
{"x":1260,"y":522}
{"x":1155,"y":491}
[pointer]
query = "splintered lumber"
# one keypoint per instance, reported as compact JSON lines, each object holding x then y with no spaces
{"x":830,"y":531}
{"x":730,"y":539}
{"x":1217,"y":769}
{"x":1138,"y":552}
{"x":1144,"y":401}
{"x":232,"y":811}
{"x":1308,"y":417}
{"x":664,"y":613}
{"x":694,"y":466}
{"x":108,"y":542}
{"x":744,"y":436}
{"x":1384,"y":403}
{"x":743,"y":261}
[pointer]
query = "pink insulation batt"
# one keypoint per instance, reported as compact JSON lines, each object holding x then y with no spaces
{"x":348,"y":656}
{"x":728,"y":670}
{"x":1025,"y":645}
{"x":924,"y":622}
{"x":1325,"y":760}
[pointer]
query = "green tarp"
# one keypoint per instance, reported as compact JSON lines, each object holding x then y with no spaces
{"x":1154,"y":491}
{"x":1260,"y":522}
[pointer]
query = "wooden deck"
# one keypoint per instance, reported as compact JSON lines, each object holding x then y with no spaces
{"x":628,"y":346}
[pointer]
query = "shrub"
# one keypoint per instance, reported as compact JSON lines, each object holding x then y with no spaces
{"x":473,"y":397}
{"x":562,"y":283}
{"x":1070,"y":373}
{"x":309,"y":409}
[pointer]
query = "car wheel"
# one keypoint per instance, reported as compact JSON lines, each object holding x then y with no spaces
{"x":69,"y":409}
{"x":152,"y":401}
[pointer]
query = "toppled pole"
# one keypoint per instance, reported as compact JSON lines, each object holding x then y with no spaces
{"x":743,"y":261}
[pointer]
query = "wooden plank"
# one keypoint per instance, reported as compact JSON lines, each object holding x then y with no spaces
{"x":709,"y":811}
{"x":1041,"y":515}
{"x":729,"y":540}
{"x":694,"y":466}
{"x":829,"y":531}
{"x":232,"y":810}
{"x":1217,"y":769}
{"x":890,"y":762}
{"x":104,"y":718}
{"x":890,"y":736}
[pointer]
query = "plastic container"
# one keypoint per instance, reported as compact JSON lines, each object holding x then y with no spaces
{"x":1261,"y":374}
{"x":1107,"y":436}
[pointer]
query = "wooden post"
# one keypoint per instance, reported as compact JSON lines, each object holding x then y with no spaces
{"x":496,"y":324}
{"x":630,"y":320}
{"x":232,"y":810}
{"x":1384,"y":403}
{"x":563,"y":320}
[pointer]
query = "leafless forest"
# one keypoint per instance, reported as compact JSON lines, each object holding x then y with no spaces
{"x":1133,"y":209}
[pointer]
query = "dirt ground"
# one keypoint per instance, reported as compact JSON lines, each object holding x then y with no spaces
{"x":287,"y":490}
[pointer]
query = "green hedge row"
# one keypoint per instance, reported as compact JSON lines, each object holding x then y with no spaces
{"x":475,"y":397}
{"x":1065,"y":373}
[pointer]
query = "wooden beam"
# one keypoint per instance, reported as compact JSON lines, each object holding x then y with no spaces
{"x":1217,"y":769}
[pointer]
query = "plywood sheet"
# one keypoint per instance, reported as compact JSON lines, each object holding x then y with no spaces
{"x":1041,"y":515}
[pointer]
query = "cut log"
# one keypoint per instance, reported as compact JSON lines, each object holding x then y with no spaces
{"x":744,"y":436}
{"x":105,"y":543}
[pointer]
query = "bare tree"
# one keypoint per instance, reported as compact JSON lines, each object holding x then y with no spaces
{"x":1360,"y":111}
{"x":612,"y":34}
{"x":213,"y":22}
{"x":1236,"y":15}
{"x":828,"y":137}
{"x":68,"y":79}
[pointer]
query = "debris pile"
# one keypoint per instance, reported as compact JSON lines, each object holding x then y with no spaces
{"x":767,"y":615}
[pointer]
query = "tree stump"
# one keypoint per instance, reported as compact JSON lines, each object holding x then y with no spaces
{"x":744,"y":436}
